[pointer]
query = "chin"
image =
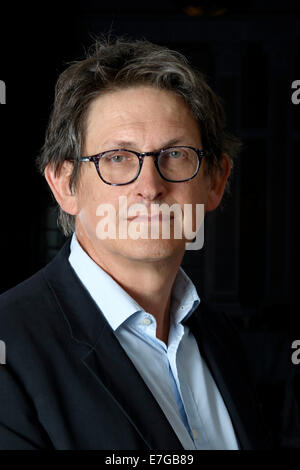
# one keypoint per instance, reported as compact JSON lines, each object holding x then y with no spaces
{"x":150,"y":250}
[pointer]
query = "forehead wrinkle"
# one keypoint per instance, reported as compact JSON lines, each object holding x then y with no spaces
{"x":141,"y":133}
{"x":114,"y":144}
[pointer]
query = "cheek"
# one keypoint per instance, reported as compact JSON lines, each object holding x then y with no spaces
{"x":200,"y":189}
{"x":92,"y":194}
{"x":195,"y":192}
{"x":193,"y":203}
{"x":88,"y":195}
{"x":89,"y":187}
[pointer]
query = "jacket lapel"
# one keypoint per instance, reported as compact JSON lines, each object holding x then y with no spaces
{"x":222,"y":356}
{"x":112,"y":368}
{"x":104,"y":357}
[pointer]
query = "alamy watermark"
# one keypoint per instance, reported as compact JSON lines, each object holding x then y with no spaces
{"x":296,"y":94}
{"x":296,"y":354}
{"x":2,"y":352}
{"x":2,"y":92}
{"x":157,"y":221}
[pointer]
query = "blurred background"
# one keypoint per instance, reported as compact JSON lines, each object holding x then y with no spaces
{"x":250,"y":54}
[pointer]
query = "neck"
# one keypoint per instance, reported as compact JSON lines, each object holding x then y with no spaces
{"x":149,"y":283}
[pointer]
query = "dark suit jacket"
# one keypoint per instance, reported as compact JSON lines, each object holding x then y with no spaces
{"x":68,"y":384}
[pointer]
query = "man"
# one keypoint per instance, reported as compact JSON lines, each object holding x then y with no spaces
{"x":109,"y":346}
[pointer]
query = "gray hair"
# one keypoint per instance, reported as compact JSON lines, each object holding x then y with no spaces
{"x":112,"y":65}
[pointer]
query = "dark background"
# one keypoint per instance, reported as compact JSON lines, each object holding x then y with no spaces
{"x":250,"y":54}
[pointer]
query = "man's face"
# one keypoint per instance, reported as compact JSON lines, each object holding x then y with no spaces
{"x":141,"y":119}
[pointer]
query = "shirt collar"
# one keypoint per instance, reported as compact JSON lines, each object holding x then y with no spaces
{"x":185,"y":298}
{"x":114,"y":302}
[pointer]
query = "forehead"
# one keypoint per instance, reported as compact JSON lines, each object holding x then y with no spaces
{"x":140,"y":113}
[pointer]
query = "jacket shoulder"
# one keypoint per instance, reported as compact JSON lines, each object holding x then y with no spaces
{"x":24,"y":297}
{"x":30,"y":319}
{"x":33,"y":297}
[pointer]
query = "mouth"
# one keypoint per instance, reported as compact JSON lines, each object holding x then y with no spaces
{"x":151,"y":219}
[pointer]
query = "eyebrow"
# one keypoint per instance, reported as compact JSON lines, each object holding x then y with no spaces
{"x":129,"y":144}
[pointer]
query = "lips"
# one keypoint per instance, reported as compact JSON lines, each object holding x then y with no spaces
{"x":152,"y":218}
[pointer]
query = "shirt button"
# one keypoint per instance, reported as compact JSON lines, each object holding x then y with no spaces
{"x":146,"y":321}
{"x":195,"y":434}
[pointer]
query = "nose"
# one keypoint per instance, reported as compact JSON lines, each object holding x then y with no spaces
{"x":149,"y":184}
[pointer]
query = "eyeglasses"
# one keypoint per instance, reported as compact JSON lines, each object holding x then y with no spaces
{"x":121,"y":166}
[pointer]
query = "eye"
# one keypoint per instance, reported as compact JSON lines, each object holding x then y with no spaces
{"x":175,"y":154}
{"x":117,"y":158}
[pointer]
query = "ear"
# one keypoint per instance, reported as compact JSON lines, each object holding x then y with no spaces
{"x":60,"y":186}
{"x":217,"y":183}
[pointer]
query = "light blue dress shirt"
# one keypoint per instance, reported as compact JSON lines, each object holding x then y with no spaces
{"x":175,"y":373}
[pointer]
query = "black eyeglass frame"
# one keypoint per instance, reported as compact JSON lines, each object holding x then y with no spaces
{"x":95,"y":159}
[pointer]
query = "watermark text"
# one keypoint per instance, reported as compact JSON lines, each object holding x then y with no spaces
{"x":157,"y":221}
{"x":296,"y":354}
{"x":2,"y":92}
{"x":2,"y":352}
{"x":296,"y":94}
